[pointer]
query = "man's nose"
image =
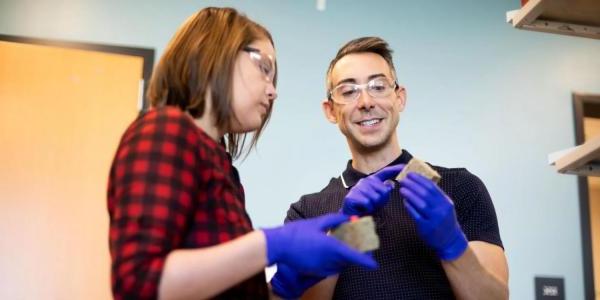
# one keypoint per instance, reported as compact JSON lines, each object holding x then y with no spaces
{"x":365,"y":101}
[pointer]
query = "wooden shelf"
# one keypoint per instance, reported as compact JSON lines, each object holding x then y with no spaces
{"x":569,"y":17}
{"x":583,"y":160}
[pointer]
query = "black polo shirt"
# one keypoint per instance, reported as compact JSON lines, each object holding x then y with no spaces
{"x":408,"y":269}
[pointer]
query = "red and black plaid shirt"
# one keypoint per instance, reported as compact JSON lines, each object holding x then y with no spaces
{"x":171,"y":187}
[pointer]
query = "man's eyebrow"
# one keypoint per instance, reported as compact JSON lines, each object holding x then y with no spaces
{"x":353,"y":80}
{"x":375,"y":76}
{"x":347,"y":80}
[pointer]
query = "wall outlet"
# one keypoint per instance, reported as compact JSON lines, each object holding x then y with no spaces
{"x":547,"y":288}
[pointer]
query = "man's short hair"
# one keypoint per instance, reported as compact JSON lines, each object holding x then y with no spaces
{"x":370,"y":44}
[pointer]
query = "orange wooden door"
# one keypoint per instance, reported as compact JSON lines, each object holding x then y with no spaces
{"x":592,"y":129}
{"x":62,"y":112}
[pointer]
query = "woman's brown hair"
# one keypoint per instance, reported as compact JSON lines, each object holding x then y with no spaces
{"x":200,"y":58}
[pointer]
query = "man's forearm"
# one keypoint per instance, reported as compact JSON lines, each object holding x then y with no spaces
{"x":480,"y":273}
{"x":322,"y":290}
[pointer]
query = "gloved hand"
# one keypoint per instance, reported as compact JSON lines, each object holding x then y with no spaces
{"x":434,"y":216}
{"x":304,"y":246}
{"x":371,"y":192}
{"x":289,"y":284}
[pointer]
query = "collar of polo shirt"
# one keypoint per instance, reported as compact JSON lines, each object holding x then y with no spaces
{"x":350,"y":176}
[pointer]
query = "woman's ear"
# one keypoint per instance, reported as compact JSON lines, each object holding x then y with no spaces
{"x":328,"y":108}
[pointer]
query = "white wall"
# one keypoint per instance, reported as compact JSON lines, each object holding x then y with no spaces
{"x":481,"y":95}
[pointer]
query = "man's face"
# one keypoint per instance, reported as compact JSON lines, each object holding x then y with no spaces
{"x":369,"y":123}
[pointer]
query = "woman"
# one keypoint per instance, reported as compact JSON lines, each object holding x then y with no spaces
{"x":178,"y":224}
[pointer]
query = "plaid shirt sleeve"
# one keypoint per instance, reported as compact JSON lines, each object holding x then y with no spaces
{"x":150,"y":196}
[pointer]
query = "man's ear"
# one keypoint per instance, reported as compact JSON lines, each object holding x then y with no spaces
{"x":327,"y":106}
{"x":401,"y":96}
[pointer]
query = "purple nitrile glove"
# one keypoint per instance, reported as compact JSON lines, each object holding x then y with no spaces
{"x":434,"y":215}
{"x":304,"y":246}
{"x":371,"y":192}
{"x":289,"y":284}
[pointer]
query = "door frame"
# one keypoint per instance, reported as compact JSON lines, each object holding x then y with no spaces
{"x":585,"y":105}
{"x":147,"y":54}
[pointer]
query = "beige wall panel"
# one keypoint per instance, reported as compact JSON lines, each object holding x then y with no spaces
{"x":62,"y":112}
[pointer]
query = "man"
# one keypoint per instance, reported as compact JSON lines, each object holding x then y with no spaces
{"x":436,"y":242}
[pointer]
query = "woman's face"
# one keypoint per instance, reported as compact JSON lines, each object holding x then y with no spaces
{"x":253,"y":90}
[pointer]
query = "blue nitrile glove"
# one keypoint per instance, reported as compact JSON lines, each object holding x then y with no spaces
{"x":371,"y":192}
{"x":289,"y":284}
{"x":434,"y":215}
{"x":304,"y":246}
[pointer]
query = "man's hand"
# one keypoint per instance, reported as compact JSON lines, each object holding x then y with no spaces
{"x":434,"y":215}
{"x":289,"y":284}
{"x":371,"y":192}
